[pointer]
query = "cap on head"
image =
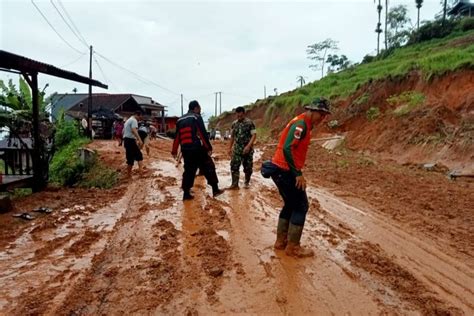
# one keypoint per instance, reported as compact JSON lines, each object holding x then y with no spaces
{"x":240,"y":109}
{"x":193,"y":104}
{"x":319,"y":104}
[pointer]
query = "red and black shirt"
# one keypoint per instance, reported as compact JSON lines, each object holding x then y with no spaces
{"x":191,"y":133}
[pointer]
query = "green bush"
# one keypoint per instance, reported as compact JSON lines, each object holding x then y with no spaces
{"x":373,"y":113}
{"x":432,"y":30}
{"x":66,"y":131}
{"x":466,"y":24}
{"x":66,"y":167}
{"x":99,"y":176}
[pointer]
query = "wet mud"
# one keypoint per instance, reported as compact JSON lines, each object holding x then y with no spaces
{"x":139,"y":249}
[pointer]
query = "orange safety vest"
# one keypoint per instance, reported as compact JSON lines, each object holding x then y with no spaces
{"x":293,"y":145}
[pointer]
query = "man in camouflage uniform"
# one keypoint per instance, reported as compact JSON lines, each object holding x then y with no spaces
{"x":241,"y":147}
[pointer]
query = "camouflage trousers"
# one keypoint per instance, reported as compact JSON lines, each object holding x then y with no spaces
{"x":238,"y":158}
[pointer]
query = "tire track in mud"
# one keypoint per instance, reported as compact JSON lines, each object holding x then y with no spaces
{"x":442,"y":282}
{"x":269,"y":282}
{"x":158,"y":254}
{"x":121,"y":277}
{"x":46,"y":260}
{"x":391,"y":282}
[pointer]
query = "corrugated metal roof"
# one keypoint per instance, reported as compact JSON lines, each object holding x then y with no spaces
{"x":12,"y":61}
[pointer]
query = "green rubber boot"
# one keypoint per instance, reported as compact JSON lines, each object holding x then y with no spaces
{"x":235,"y":182}
{"x":293,"y":248}
{"x":282,"y":234}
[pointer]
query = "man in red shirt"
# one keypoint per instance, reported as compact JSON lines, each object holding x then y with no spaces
{"x":290,"y":157}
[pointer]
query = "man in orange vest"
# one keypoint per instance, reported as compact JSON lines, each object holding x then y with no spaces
{"x":290,"y":157}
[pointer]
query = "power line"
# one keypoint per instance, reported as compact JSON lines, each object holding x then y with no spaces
{"x":69,"y":26}
{"x":47,"y":21}
{"x":103,"y":73}
{"x":140,"y":78}
{"x":72,"y":22}
{"x":240,"y":96}
{"x":74,"y":61}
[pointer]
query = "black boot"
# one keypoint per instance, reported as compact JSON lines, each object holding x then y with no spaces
{"x":216,"y":191}
{"x":247,"y":180}
{"x":187,"y":196}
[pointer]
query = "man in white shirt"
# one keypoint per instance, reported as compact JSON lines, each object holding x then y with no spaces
{"x":132,"y":142}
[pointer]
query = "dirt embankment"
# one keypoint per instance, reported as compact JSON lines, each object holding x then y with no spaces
{"x":409,"y":119}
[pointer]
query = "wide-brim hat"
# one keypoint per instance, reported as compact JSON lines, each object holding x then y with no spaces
{"x":319,"y":104}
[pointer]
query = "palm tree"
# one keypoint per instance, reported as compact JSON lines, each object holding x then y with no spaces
{"x":378,"y":30}
{"x":419,"y":3}
{"x":386,"y":23}
{"x":300,"y":80}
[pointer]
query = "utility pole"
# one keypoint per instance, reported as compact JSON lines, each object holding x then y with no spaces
{"x":215,"y":105}
{"x":89,"y":103}
{"x":264,"y":92}
{"x":220,"y":103}
{"x":181,"y":104}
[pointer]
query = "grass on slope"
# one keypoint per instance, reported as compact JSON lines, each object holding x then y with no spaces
{"x":430,"y":58}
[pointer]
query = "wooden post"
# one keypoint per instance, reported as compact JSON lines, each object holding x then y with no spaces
{"x":89,"y":103}
{"x":163,"y":122}
{"x":38,"y":179}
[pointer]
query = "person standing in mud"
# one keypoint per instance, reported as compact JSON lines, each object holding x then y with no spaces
{"x":196,"y":149}
{"x":289,"y":159}
{"x":132,"y":142}
{"x":241,"y":148}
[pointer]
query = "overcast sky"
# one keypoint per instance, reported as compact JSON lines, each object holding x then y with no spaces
{"x":191,"y":47}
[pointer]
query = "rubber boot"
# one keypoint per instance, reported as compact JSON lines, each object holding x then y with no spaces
{"x":282,"y":234}
{"x":235,"y":182}
{"x":247,"y":180}
{"x":187,"y":196}
{"x":216,"y":191}
{"x":293,"y":248}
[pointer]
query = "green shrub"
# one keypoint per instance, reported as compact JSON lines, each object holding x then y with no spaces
{"x":66,"y":167}
{"x":373,"y":113}
{"x":466,"y":24}
{"x":66,"y":131}
{"x":432,"y":30}
{"x":99,"y":176}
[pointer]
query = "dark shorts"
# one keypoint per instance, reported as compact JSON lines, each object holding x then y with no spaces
{"x":132,"y":152}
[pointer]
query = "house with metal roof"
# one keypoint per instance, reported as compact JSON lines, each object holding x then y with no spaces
{"x":106,"y":108}
{"x":462,"y":8}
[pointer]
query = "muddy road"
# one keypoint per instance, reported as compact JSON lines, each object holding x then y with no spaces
{"x":142,"y":251}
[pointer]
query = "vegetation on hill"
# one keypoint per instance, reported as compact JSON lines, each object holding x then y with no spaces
{"x":429,"y":58}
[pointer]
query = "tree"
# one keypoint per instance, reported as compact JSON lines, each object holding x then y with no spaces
{"x":419,"y":3}
{"x":337,"y":63}
{"x":276,"y":91}
{"x":319,"y":51}
{"x":16,"y":106}
{"x":398,"y":21}
{"x":300,"y":80}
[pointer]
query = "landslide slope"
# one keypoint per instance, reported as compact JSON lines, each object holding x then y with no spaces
{"x":416,"y":105}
